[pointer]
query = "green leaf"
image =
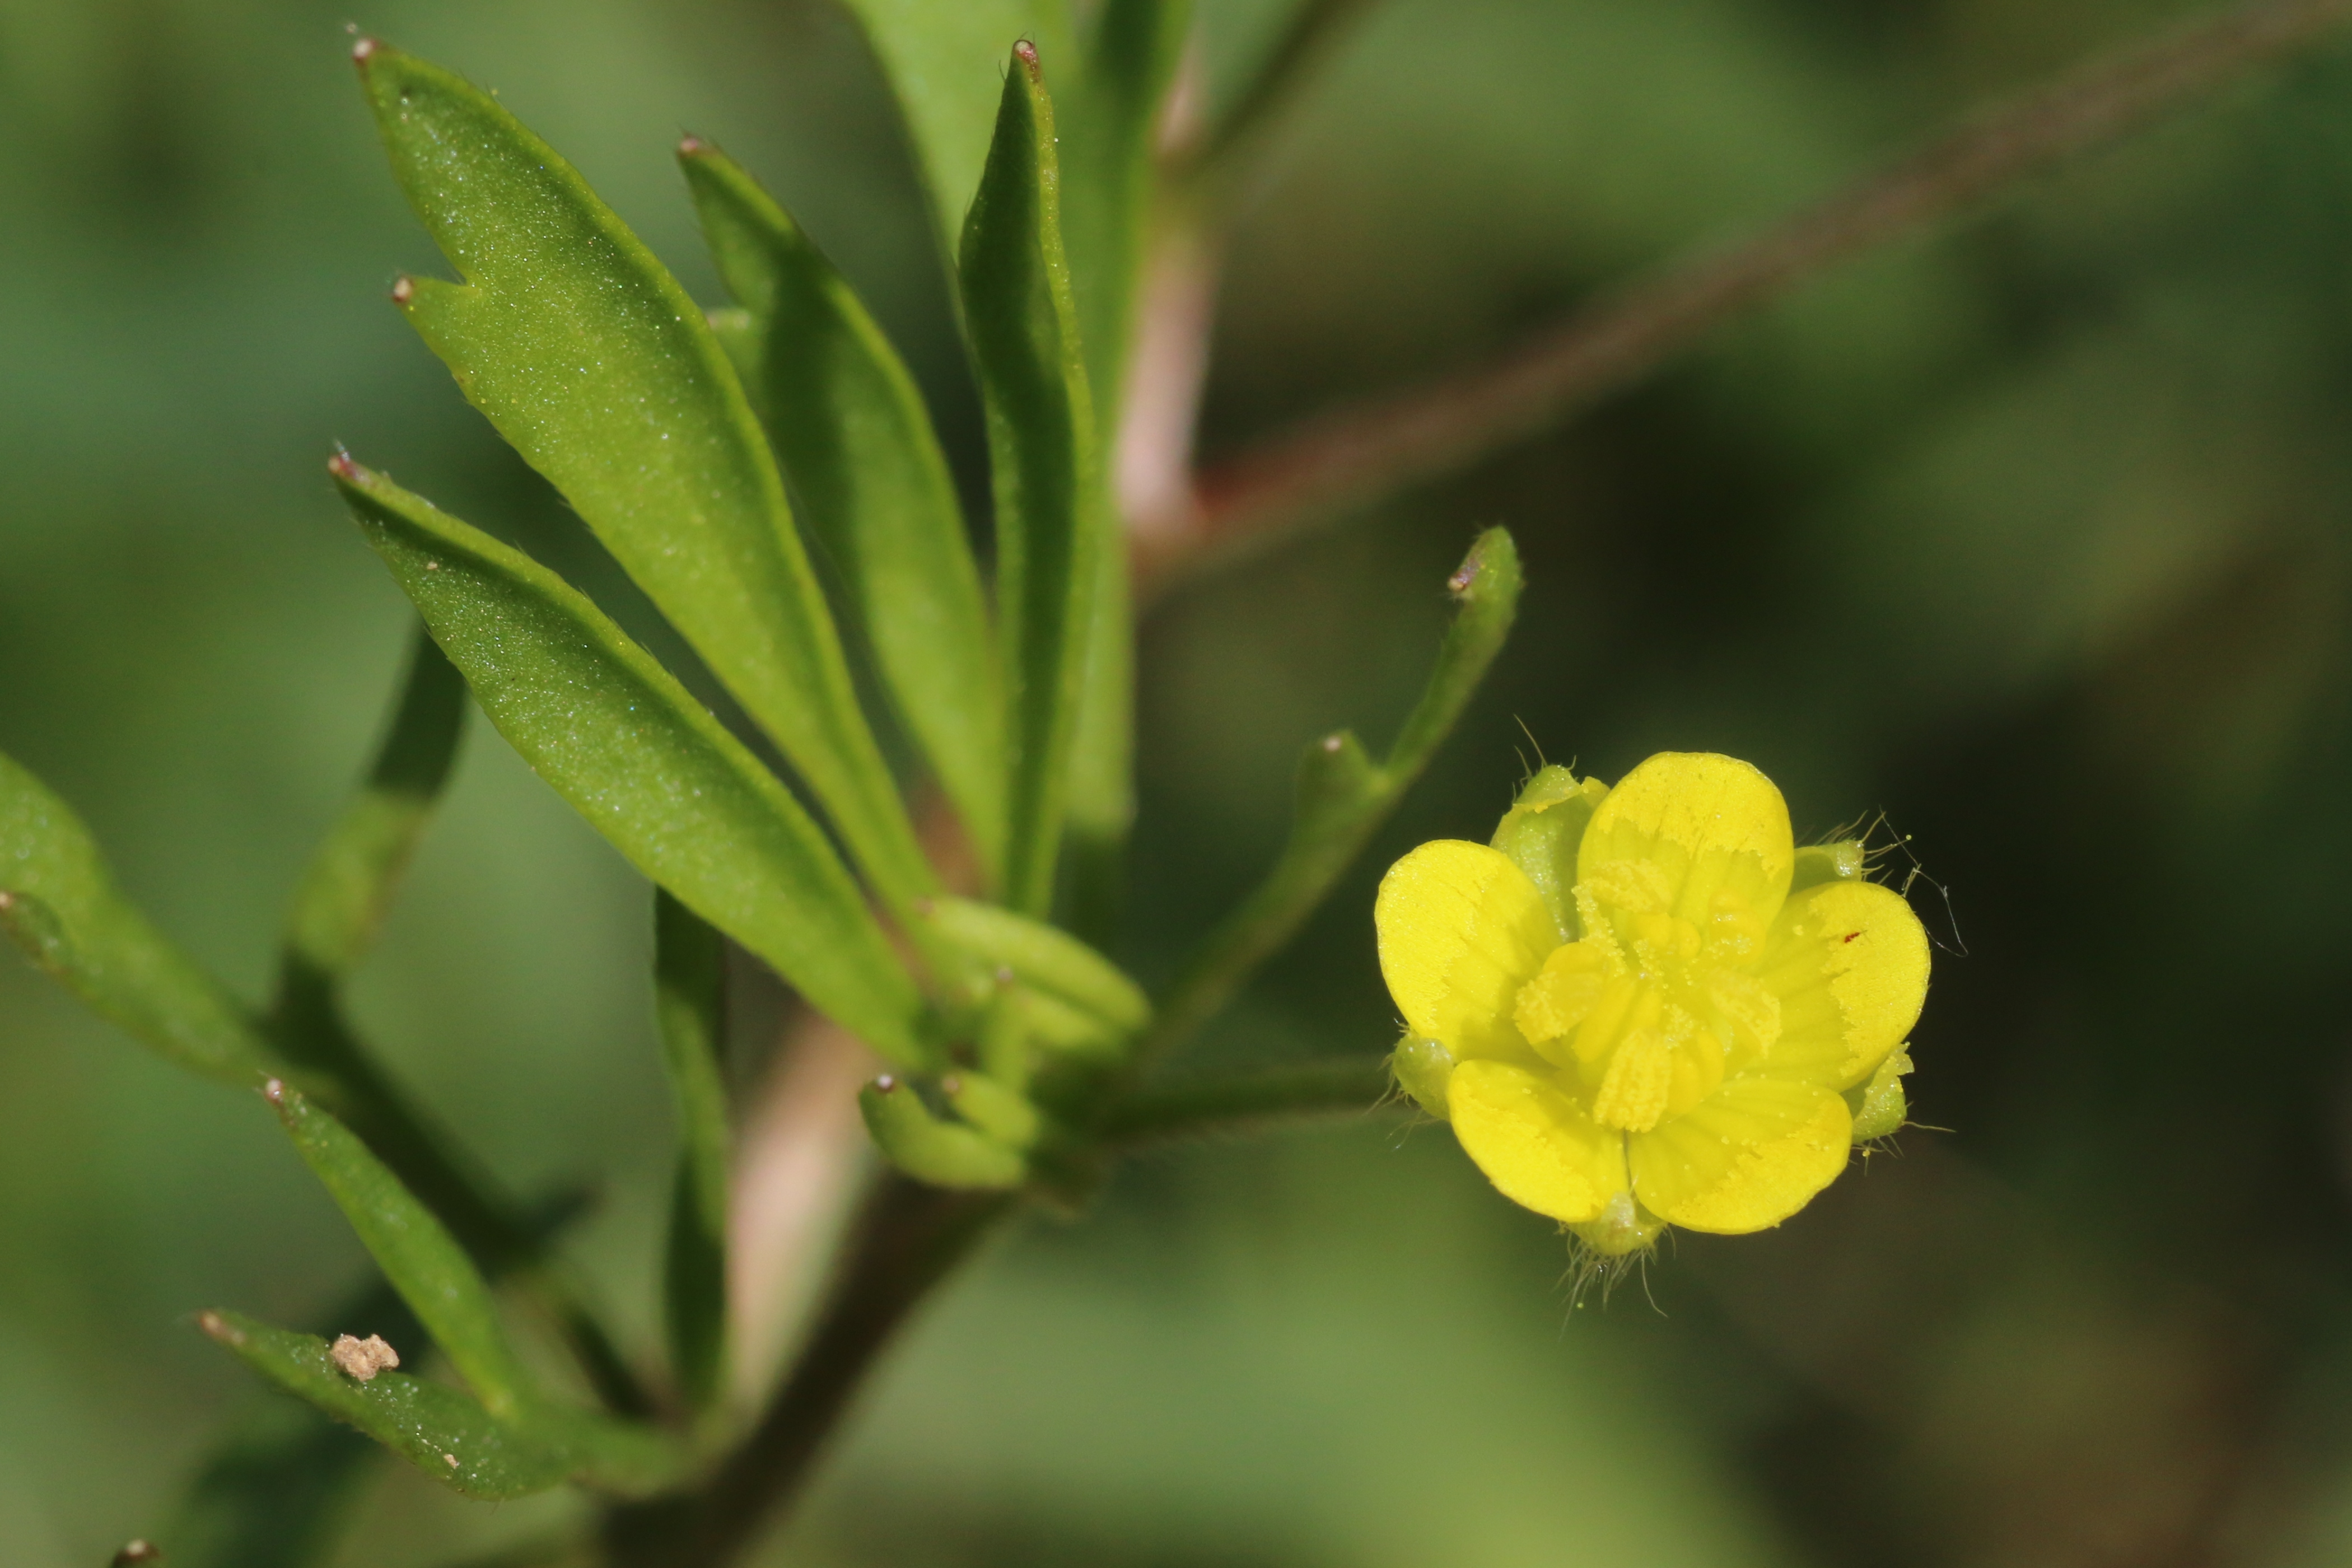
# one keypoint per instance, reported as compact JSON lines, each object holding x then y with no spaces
{"x":448,"y":1434}
{"x":442,"y":1431}
{"x":349,"y":884}
{"x":59,"y":903}
{"x":418,"y":1256}
{"x":617,"y":736}
{"x":944,"y":59}
{"x":1341,"y":797}
{"x":1043,"y":959}
{"x":1025,"y":346}
{"x":845,"y":418}
{"x":689,"y":1002}
{"x":929,"y":1148}
{"x":593,"y":362}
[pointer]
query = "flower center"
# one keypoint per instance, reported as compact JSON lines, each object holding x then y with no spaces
{"x":1642,"y":1017}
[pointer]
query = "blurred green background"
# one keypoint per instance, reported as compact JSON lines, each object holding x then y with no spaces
{"x":2032,"y":535}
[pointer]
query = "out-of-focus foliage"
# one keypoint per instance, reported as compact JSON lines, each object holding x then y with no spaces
{"x":2036,"y":534}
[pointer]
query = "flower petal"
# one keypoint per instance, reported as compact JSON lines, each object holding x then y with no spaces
{"x":1750,"y":1155}
{"x":1461,"y":930}
{"x":1849,"y":963}
{"x":1534,"y":1145}
{"x":1715,"y":830}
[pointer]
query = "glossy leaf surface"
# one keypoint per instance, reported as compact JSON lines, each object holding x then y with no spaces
{"x":596,"y":366}
{"x":850,"y":428}
{"x":59,"y":903}
{"x":616,"y":736}
{"x":1023,"y":329}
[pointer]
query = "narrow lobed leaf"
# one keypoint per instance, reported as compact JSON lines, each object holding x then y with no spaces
{"x":418,"y":1256}
{"x":59,"y":903}
{"x":1022,"y":323}
{"x":850,"y":428}
{"x":617,"y":736}
{"x":943,"y":59}
{"x":689,"y":1002}
{"x":1044,"y":958}
{"x":348,"y":886}
{"x":593,"y":362}
{"x":444,"y":1432}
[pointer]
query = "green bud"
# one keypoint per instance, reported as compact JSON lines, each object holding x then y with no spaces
{"x":1843,"y":861}
{"x":1878,"y":1106}
{"x":1004,"y":1114}
{"x":944,"y":1154}
{"x":1541,"y":833}
{"x":1045,"y":959}
{"x":1422,"y":1068}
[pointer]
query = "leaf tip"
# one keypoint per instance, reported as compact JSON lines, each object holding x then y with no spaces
{"x":217,"y":1327}
{"x":136,"y":1552}
{"x":343,"y":468}
{"x":404,"y":289}
{"x":1026,"y":53}
{"x":692,"y":146}
{"x":885,"y":1084}
{"x":364,"y":49}
{"x":274,"y":1090}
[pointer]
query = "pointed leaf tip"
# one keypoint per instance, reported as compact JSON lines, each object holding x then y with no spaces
{"x":362,"y":51}
{"x":404,"y":289}
{"x":1026,"y":53}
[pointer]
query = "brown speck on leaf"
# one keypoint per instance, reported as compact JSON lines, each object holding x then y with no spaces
{"x":1460,"y":581}
{"x":450,"y":1461}
{"x":274,"y":1091}
{"x":362,"y":1359}
{"x":138,"y":1552}
{"x":433,"y":566}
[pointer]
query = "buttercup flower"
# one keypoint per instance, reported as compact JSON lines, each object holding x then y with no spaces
{"x":1644,"y":1005}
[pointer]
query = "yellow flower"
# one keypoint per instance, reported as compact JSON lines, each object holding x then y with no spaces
{"x":1644,"y":1005}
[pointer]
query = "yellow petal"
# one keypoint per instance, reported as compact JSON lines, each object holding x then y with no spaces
{"x":1461,"y":930}
{"x":1749,"y":1156}
{"x":1714,"y":828}
{"x":1533,"y":1142}
{"x":1849,"y":962}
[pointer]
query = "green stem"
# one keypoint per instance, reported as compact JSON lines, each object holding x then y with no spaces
{"x":1207,"y":1106}
{"x":909,"y":1239}
{"x":1342,"y":800}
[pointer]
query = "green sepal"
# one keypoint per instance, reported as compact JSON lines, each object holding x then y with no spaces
{"x":1623,"y":1227}
{"x":1879,"y":1107}
{"x":1022,"y":320}
{"x":929,"y":1148}
{"x":1042,"y":958}
{"x":690,"y":1002}
{"x":1002,"y":1112}
{"x":850,"y":426}
{"x":348,"y":886}
{"x":599,"y":369}
{"x":618,"y":737}
{"x":59,"y":903}
{"x":1423,"y":1069}
{"x":419,"y":1258}
{"x":1843,"y":861}
{"x":443,"y":1431}
{"x":1541,"y":834}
